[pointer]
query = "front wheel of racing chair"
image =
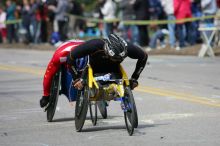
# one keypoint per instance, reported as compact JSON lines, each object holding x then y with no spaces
{"x":54,"y":94}
{"x":102,"y":105}
{"x":93,"y":111}
{"x":130,"y":114}
{"x":81,"y":108}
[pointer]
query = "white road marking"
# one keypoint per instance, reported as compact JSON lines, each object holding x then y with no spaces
{"x":171,"y":65}
{"x":7,"y":118}
{"x":148,"y":121}
{"x":107,"y":121}
{"x":188,"y":87}
{"x":167,"y":116}
{"x":138,"y":98}
{"x":57,"y":108}
{"x":28,"y":144}
{"x":107,"y":135}
{"x":18,"y":114}
{"x":202,"y":65}
{"x":215,"y":96}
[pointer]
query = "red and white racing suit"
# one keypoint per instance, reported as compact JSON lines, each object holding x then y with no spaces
{"x":59,"y":58}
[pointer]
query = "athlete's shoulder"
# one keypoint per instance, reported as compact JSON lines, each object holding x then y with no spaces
{"x":76,"y":41}
{"x":70,"y":43}
{"x":95,"y":42}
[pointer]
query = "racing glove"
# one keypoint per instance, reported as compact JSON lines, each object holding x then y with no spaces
{"x":133,"y":83}
{"x":44,"y":101}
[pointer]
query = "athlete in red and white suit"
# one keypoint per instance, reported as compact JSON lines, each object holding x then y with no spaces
{"x":59,"y":58}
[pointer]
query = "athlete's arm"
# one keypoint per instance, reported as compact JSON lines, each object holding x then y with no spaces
{"x":85,"y":49}
{"x":136,"y":52}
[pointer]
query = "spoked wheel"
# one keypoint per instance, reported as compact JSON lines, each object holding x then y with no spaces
{"x":93,"y":112}
{"x":54,"y":94}
{"x":102,"y":108}
{"x":81,"y":108}
{"x":130,"y":114}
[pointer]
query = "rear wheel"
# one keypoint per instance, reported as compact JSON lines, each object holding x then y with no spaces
{"x":93,"y":112}
{"x":54,"y":94}
{"x":130,"y":114}
{"x":102,"y":108}
{"x":81,"y":108}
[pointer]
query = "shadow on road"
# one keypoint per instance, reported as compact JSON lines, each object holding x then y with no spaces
{"x":63,"y":120}
{"x":138,"y":130}
{"x":87,"y":118}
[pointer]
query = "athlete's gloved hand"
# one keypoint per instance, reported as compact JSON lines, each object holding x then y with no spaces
{"x":78,"y":83}
{"x":133,"y":83}
{"x":44,"y":101}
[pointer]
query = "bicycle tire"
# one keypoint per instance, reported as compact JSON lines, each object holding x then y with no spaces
{"x":128,"y":123}
{"x":131,"y":118}
{"x":93,"y":112}
{"x":102,"y":108}
{"x":81,"y":108}
{"x":54,"y":94}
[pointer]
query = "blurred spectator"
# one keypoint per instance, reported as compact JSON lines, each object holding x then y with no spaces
{"x":44,"y":22}
{"x":35,"y":20}
{"x":128,"y":13}
{"x":10,"y":16}
{"x":155,"y":9}
{"x":26,"y":20}
{"x":141,"y":8}
{"x":2,"y":25}
{"x":218,"y":4}
{"x":100,"y":4}
{"x":75,"y":24}
{"x":60,"y":18}
{"x":168,"y":7}
{"x":218,"y":12}
{"x":182,"y":10}
{"x":108,"y":11}
{"x":160,"y":31}
{"x":209,"y":7}
{"x":51,"y":16}
{"x":217,"y":21}
{"x":98,"y":14}
{"x":196,"y":12}
{"x":159,"y":35}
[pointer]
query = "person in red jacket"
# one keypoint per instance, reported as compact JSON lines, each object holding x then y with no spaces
{"x":218,"y":3}
{"x":182,"y":10}
{"x":59,"y":58}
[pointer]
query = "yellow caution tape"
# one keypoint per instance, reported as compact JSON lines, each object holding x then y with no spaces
{"x":146,"y":22}
{"x":134,"y":22}
{"x":12,"y":21}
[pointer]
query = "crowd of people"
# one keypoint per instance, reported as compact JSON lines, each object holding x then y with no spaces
{"x":53,"y":21}
{"x":40,"y":20}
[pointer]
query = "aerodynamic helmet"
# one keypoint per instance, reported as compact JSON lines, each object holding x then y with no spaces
{"x":115,"y":47}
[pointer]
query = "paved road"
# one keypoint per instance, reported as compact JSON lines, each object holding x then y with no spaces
{"x":178,"y":103}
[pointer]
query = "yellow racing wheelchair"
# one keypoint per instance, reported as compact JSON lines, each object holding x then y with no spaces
{"x":106,"y":87}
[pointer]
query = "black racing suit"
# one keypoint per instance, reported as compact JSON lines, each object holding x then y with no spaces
{"x":100,"y":62}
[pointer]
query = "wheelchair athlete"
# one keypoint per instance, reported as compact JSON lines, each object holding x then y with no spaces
{"x":59,"y":58}
{"x":105,"y":56}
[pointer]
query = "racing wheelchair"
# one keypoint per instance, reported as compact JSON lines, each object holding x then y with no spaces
{"x":62,"y":84}
{"x":105,"y":87}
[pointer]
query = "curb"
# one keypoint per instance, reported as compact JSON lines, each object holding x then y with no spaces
{"x":188,"y":51}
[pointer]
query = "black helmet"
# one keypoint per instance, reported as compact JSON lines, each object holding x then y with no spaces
{"x":115,"y":47}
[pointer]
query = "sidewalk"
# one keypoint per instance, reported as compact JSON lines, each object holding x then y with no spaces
{"x":191,"y":50}
{"x":43,"y":46}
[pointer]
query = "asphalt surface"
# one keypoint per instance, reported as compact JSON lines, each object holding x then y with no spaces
{"x":178,"y":103}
